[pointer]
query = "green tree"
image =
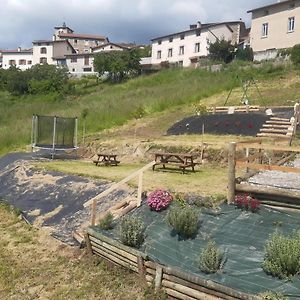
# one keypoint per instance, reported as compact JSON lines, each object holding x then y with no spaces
{"x":244,"y":54}
{"x":118,"y":64}
{"x":17,"y":81}
{"x":221,"y":50}
{"x":295,"y":55}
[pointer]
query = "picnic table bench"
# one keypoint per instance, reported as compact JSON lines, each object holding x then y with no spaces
{"x":181,"y":160}
{"x":106,"y":159}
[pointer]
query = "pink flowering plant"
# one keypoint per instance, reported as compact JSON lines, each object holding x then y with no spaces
{"x":159,"y":199}
{"x":247,"y":202}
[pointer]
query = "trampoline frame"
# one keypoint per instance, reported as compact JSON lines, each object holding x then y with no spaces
{"x":52,"y":147}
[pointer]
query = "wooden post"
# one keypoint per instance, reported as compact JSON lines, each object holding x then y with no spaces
{"x":231,"y":172}
{"x":158,"y":278}
{"x":141,"y":268}
{"x":140,"y":190}
{"x":247,"y":155}
{"x":214,"y":110}
{"x":247,"y":109}
{"x":93,"y":212}
{"x":88,"y":244}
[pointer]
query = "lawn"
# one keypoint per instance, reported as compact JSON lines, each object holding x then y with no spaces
{"x":36,"y":266}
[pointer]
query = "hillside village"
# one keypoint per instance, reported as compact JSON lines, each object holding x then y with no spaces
{"x":273,"y":28}
{"x":174,"y":176}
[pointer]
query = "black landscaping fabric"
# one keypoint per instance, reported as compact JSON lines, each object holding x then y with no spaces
{"x":64,"y":193}
{"x":240,"y":235}
{"x":236,"y":124}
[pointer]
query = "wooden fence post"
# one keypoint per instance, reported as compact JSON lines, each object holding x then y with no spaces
{"x":158,"y":278}
{"x":140,"y":190}
{"x":93,"y":212}
{"x":231,"y":172}
{"x":88,"y":244}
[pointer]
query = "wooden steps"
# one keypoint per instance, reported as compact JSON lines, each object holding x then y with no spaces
{"x":275,"y":130}
{"x":280,"y":119}
{"x":275,"y":126}
{"x":278,"y":122}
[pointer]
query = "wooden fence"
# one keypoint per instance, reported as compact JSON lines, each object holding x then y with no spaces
{"x":255,"y":159}
{"x":123,"y":206}
{"x":175,"y":282}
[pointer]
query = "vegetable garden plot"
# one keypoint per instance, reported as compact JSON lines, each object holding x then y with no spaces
{"x":240,"y":235}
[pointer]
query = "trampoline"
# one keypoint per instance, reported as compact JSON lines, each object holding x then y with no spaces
{"x":52,"y":133}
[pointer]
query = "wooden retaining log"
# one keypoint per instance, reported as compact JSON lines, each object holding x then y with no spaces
{"x":124,"y":254}
{"x":213,"y":286}
{"x":115,"y":260}
{"x":178,"y":295}
{"x":115,"y":243}
{"x":271,"y":193}
{"x":196,"y":287}
{"x":186,"y":291}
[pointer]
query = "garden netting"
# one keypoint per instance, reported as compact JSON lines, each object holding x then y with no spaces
{"x":240,"y":235}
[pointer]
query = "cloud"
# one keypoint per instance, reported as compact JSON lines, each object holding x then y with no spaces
{"x":22,"y":21}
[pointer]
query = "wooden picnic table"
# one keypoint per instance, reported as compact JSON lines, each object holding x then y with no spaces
{"x":182,"y":160}
{"x":106,"y":159}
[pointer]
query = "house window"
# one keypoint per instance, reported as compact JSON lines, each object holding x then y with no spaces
{"x":86,"y":51}
{"x":197,"y":47}
{"x":198,"y":32}
{"x":182,"y":36}
{"x":75,"y":41}
{"x":29,"y":62}
{"x":22,"y":62}
{"x":265,"y":30}
{"x":159,"y":42}
{"x":170,"y":52}
{"x":87,"y":69}
{"x":43,"y":60}
{"x":86,"y":60}
{"x":291,"y":24}
{"x":73,"y":70}
{"x":12,"y":62}
{"x":181,"y":50}
{"x":73,"y":59}
{"x":158,"y":54}
{"x":171,"y":39}
{"x":43,"y":50}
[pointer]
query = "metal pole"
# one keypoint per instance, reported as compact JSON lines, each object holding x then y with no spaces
{"x":231,"y":172}
{"x":32,"y":132}
{"x":75,"y":137}
{"x":54,"y":137}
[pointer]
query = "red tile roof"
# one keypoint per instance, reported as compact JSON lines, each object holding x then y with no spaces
{"x":82,"y":36}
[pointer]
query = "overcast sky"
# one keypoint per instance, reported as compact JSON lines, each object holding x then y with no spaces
{"x":22,"y":21}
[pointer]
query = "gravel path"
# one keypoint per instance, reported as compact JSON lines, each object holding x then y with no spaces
{"x":279,"y":179}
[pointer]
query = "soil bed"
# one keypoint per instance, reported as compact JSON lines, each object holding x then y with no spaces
{"x":240,"y":235}
{"x":220,"y":123}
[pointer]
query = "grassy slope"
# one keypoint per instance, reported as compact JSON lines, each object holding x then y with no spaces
{"x":34,"y":266}
{"x":110,"y":106}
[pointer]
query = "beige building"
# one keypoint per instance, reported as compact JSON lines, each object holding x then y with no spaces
{"x":20,"y":58}
{"x":186,"y":48}
{"x":275,"y":26}
{"x":82,"y":43}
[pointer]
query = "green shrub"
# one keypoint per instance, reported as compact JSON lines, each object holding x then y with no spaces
{"x":210,"y":258}
{"x":273,"y":296}
{"x":132,"y":231}
{"x":184,"y":220}
{"x":107,"y":222}
{"x":295,"y":55}
{"x":282,"y":258}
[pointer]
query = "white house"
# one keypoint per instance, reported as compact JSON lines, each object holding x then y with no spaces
{"x":51,"y":52}
{"x":274,"y":26}
{"x":83,"y":63}
{"x":185,"y":48}
{"x":21,"y":58}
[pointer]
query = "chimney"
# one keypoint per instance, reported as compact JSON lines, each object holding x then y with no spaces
{"x":199,"y":25}
{"x":19,"y":49}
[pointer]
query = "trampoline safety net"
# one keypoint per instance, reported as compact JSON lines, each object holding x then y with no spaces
{"x":45,"y":127}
